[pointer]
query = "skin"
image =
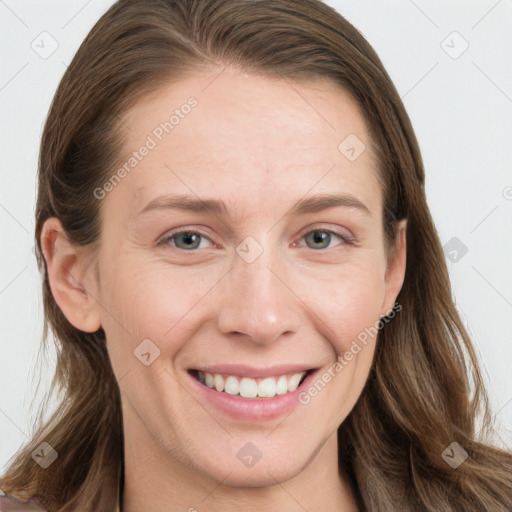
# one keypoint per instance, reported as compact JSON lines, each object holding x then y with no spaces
{"x":260,"y":145}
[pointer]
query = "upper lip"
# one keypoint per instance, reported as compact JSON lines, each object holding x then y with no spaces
{"x":252,"y":371}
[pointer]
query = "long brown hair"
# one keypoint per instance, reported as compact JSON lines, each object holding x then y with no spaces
{"x":425,"y":389}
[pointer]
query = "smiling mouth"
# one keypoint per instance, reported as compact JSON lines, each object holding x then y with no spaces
{"x":247,"y":387}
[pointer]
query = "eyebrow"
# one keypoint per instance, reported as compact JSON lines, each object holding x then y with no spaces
{"x":311,"y":204}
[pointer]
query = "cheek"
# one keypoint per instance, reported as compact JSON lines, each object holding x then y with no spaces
{"x":359,"y":308}
{"x":349,"y":311}
{"x":151,"y":299}
{"x":348,"y":301}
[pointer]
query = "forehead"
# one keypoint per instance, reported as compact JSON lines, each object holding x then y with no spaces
{"x":243,"y":137}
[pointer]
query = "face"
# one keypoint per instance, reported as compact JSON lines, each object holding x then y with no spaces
{"x":242,"y":253}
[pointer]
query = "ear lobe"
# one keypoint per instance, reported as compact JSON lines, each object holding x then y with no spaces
{"x":67,"y":266}
{"x":395,"y":272}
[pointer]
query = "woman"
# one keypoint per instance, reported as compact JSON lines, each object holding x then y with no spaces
{"x":251,"y":301}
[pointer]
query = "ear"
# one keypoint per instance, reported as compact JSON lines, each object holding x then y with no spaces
{"x":395,"y":272}
{"x":68,"y":268}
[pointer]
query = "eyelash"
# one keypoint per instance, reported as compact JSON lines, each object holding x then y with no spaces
{"x":346,"y":240}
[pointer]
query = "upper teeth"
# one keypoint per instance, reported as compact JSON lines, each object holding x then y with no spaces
{"x":250,"y":388}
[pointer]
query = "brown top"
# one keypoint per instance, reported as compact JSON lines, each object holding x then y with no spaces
{"x":10,"y":503}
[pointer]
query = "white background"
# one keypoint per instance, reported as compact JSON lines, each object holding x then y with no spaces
{"x":461,"y":110}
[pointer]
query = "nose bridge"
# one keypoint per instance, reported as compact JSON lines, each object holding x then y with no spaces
{"x":257,"y":302}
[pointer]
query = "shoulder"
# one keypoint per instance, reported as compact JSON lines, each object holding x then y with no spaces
{"x":10,"y":503}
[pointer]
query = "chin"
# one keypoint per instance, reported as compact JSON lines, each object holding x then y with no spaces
{"x":242,"y":464}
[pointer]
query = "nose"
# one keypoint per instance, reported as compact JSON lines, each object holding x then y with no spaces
{"x":257,"y":301}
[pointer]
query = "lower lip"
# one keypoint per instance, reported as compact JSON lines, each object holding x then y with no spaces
{"x":252,"y":409}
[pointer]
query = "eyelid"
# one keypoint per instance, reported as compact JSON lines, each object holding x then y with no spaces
{"x":170,"y":234}
{"x":347,"y":237}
